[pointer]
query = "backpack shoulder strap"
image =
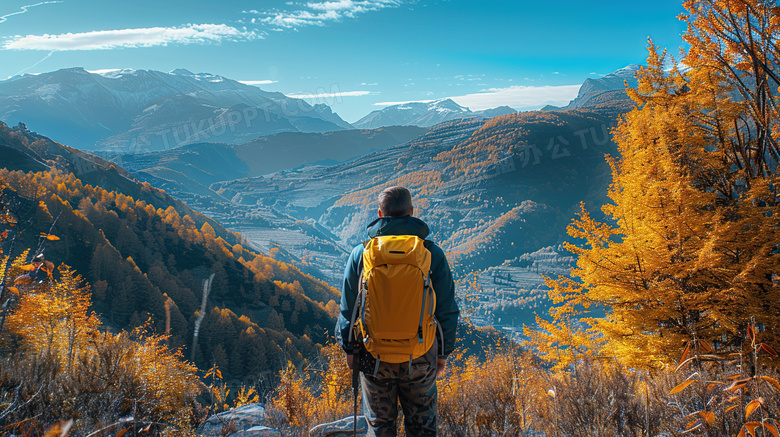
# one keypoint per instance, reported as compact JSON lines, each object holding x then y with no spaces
{"x":360,"y":291}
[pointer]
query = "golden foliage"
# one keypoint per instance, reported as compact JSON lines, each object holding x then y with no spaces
{"x":139,"y":251}
{"x":55,"y":318}
{"x":722,"y":391}
{"x":246,"y":396}
{"x":67,"y":366}
{"x":690,"y":247}
{"x":495,"y":396}
{"x":315,"y":395}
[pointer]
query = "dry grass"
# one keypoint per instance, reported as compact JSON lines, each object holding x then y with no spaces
{"x":57,"y":362}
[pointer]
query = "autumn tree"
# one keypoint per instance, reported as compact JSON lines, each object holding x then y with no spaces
{"x":690,"y":247}
{"x":133,"y":252}
{"x":55,"y":317}
{"x":58,"y":361}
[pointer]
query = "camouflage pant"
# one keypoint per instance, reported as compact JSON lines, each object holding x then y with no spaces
{"x":416,"y":389}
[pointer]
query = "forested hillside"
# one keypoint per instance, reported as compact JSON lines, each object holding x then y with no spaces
{"x":138,"y":248}
{"x":506,"y":189}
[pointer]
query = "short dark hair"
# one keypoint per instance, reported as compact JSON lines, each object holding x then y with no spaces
{"x":395,"y":202}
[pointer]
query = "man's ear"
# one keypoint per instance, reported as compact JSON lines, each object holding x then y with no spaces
{"x":379,"y":211}
{"x":411,"y":211}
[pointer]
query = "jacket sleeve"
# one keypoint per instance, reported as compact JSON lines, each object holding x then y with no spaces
{"x":447,"y":310}
{"x":349,"y":290}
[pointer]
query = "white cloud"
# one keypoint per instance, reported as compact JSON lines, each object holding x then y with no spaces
{"x":301,"y":18}
{"x":516,"y":96}
{"x":24,"y":9}
{"x":331,"y":95}
{"x":320,"y":13}
{"x":519,"y":96}
{"x":124,"y":38}
{"x":258,"y":82}
{"x":333,"y":5}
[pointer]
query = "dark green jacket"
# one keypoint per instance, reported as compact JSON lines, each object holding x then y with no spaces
{"x":441,"y":278}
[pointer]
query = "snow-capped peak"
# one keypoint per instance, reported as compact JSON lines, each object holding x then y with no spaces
{"x":113,"y":73}
{"x":181,"y":72}
{"x":446,"y":105}
{"x":627,"y":71}
{"x":213,"y":78}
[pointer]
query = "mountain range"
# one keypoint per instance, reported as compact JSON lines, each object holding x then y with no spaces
{"x":191,"y":169}
{"x":130,"y":110}
{"x":286,"y":192}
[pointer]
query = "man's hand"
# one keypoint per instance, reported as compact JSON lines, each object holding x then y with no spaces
{"x":441,"y":364}
{"x":350,"y":361}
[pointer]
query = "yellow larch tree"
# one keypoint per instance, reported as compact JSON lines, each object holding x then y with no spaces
{"x":690,"y":247}
{"x":55,"y":317}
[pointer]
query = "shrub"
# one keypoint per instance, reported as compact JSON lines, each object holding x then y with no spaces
{"x":60,"y":363}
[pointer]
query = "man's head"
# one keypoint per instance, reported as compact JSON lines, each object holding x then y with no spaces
{"x":395,"y":202}
{"x":38,"y":259}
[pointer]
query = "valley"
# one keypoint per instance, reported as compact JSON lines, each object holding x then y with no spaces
{"x":488,"y":198}
{"x":497,"y":189}
{"x":493,"y":192}
{"x":184,"y":184}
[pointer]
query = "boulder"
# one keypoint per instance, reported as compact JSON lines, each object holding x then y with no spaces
{"x":257,"y":431}
{"x":244,"y":418}
{"x":341,"y":427}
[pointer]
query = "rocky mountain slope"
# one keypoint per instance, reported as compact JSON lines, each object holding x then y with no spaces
{"x":605,"y":94}
{"x":140,"y":110}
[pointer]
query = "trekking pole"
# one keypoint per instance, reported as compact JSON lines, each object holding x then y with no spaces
{"x":355,"y":383}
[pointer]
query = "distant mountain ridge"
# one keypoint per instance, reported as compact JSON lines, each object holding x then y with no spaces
{"x":191,"y":169}
{"x":606,"y":93}
{"x":151,"y":110}
{"x":425,"y":114}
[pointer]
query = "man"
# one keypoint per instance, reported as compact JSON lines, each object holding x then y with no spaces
{"x":414,"y":383}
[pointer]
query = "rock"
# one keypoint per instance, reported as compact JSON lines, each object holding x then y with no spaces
{"x":244,"y":418}
{"x":261,"y":431}
{"x":341,"y":427}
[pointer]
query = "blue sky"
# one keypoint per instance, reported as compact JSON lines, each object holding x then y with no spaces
{"x":356,"y":55}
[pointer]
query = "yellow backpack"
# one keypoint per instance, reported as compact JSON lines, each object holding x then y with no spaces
{"x":395,"y":301}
